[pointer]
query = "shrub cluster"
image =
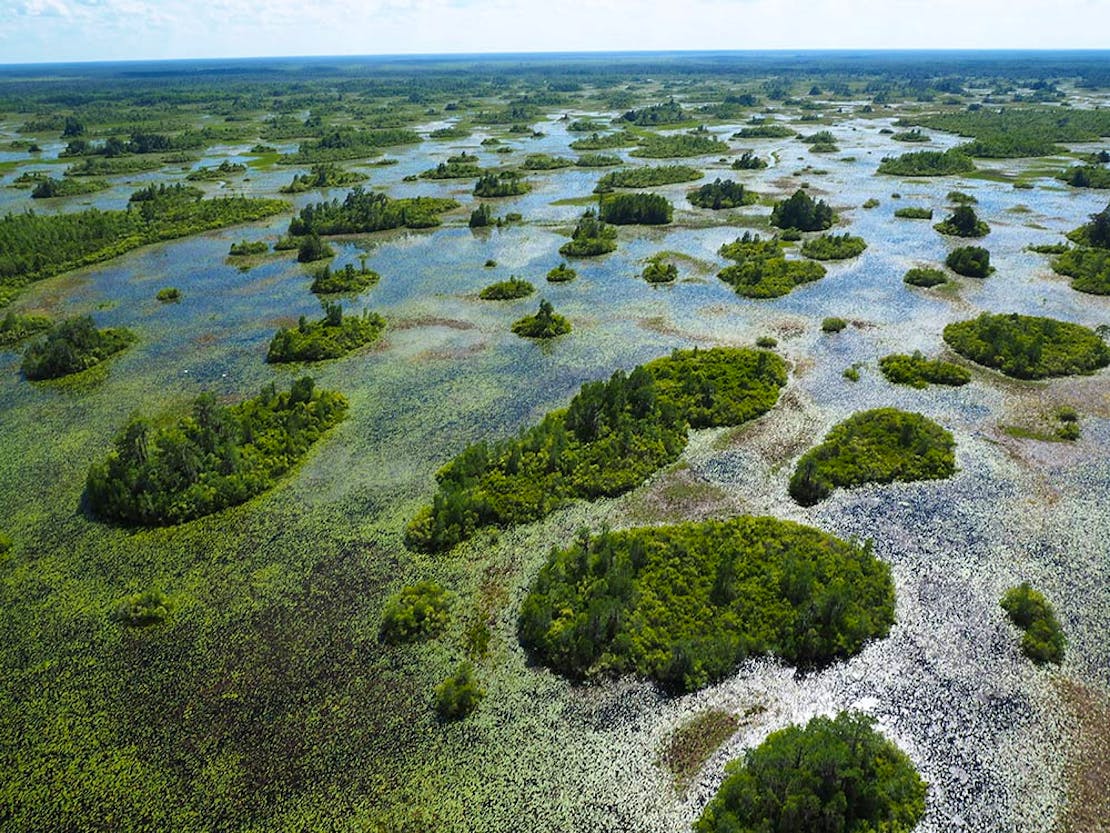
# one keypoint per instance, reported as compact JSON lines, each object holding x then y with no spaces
{"x":834,"y":247}
{"x":917,"y":371}
{"x":72,"y":346}
{"x":331,"y":337}
{"x":801,"y":212}
{"x":762,"y":270}
{"x":546,"y":323}
{"x":1028,"y":346}
{"x":1043,"y":640}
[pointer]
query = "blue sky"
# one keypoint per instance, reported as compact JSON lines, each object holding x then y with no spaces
{"x":81,"y":30}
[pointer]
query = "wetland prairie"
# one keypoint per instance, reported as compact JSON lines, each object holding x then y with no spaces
{"x":235,"y":671}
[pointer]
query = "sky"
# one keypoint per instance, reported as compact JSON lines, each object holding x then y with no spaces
{"x":112,"y":30}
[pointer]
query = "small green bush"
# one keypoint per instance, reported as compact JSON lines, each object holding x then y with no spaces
{"x":834,"y":247}
{"x":141,"y":610}
{"x":1044,"y":639}
{"x":507,"y":290}
{"x":659,"y":271}
{"x":963,"y":222}
{"x":918,"y":371}
{"x":459,"y":695}
{"x":833,"y":325}
{"x":561,"y":274}
{"x":418,"y":611}
{"x":970,"y":261}
{"x":913,"y":213}
{"x":925,"y":276}
{"x":168,"y":295}
{"x":546,"y":323}
{"x":766,"y":342}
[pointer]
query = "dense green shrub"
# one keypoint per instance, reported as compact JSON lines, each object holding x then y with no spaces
{"x":914,"y":135}
{"x":834,"y":247}
{"x":166,"y":473}
{"x":918,"y":371}
{"x":1089,"y":269}
{"x":465,"y":169}
{"x":878,"y":446}
{"x":647,"y":176}
{"x":823,"y":137}
{"x":835,"y":775}
{"x":67,"y":187}
{"x":364,"y":211}
{"x":659,"y":270}
{"x":684,"y":605}
{"x":546,"y":323}
{"x":324,"y":175}
{"x":912,"y":213}
{"x":561,"y":274}
{"x":331,"y":337}
{"x":927,"y":163}
{"x":503,"y":184}
{"x":347,"y":279}
{"x":1020,"y":131}
{"x":1087,"y":176}
{"x":764,"y":131}
{"x":1095,"y":233}
{"x":458,"y":695}
{"x":668,"y":112}
{"x":312,"y":248}
{"x":801,"y":212}
{"x":720,"y":194}
{"x":349,"y":143}
{"x":833,"y":324}
{"x":1043,"y":640}
{"x":591,"y":237}
{"x":678,"y":146}
{"x":514,"y":287}
{"x":963,"y":222}
{"x":924,"y":276}
{"x":418,"y":611}
{"x":597,"y":160}
{"x":168,"y":295}
{"x":545,"y":162}
{"x":72,"y":346}
{"x":141,"y":610}
{"x":1028,"y":347}
{"x":960,"y":198}
{"x":217,"y":172}
{"x":595,"y":141}
{"x":748,"y":161}
{"x":15,"y":327}
{"x":970,"y":261}
{"x":762,"y":270}
{"x":636,"y":209}
{"x":612,"y":436}
{"x":246,"y":248}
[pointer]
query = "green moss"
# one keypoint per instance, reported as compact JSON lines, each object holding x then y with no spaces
{"x":832,"y":774}
{"x":684,"y":605}
{"x":1028,"y":347}
{"x":878,"y":446}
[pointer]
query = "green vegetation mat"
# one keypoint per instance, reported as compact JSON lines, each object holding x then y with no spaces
{"x":684,"y":605}
{"x":878,"y":446}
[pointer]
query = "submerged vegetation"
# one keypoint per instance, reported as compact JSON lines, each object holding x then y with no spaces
{"x":216,"y":457}
{"x":610,"y":438}
{"x":878,"y":446}
{"x":1028,"y":346}
{"x":684,"y":605}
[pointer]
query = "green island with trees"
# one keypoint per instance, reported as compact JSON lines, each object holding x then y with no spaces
{"x":597,"y":160}
{"x":15,"y":327}
{"x":546,"y":323}
{"x":917,"y":371}
{"x":761,"y":269}
{"x":323,"y":175}
{"x":833,"y":774}
{"x":333,"y":336}
{"x":501,"y":184}
{"x":1015,"y":132}
{"x":50,"y":187}
{"x":667,"y":112}
{"x":833,"y":324}
{"x":217,"y":172}
{"x":748,"y":161}
{"x":720,"y":194}
{"x":678,"y":146}
{"x":312,"y":247}
{"x":545,"y":162}
{"x":684,"y":605}
{"x":925,"y":276}
{"x":764,"y":131}
{"x":36,"y":246}
{"x":914,"y":135}
{"x":561,"y":274}
{"x":607,"y":141}
{"x":168,"y":295}
{"x":1087,"y":176}
{"x":970,"y":261}
{"x":877,"y":446}
{"x":349,"y":143}
{"x":963,"y":222}
{"x":163,"y":473}
{"x":72,"y":346}
{"x":454,"y":169}
{"x":115,"y":166}
{"x":800,"y":211}
{"x":1088,"y":264}
{"x":635,"y":209}
{"x":591,"y":237}
{"x":658,"y":270}
{"x":364,"y":211}
{"x":1028,"y":346}
{"x":913,"y":213}
{"x":1043,"y":639}
{"x":927,"y":163}
{"x":325,"y":281}
{"x":611,"y":437}
{"x":459,"y":694}
{"x":834,"y":247}
{"x":248,"y":248}
{"x":507,"y":290}
{"x":647,"y":176}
